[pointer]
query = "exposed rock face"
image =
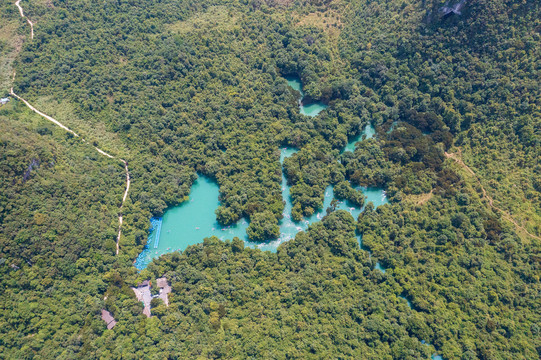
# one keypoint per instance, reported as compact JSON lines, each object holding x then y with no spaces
{"x":452,"y":9}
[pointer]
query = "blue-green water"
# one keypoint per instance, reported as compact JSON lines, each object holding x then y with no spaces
{"x":407,"y":300}
{"x":380,"y":268}
{"x":309,"y":109}
{"x":369,"y":131}
{"x":288,"y":227}
{"x":192,"y":221}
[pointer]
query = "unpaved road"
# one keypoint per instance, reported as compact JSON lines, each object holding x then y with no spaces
{"x":27,"y":19}
{"x":56,"y":122}
{"x":42,"y":114}
{"x":122,"y":204}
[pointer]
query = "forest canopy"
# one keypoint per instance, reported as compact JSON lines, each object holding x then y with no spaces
{"x":181,"y":88}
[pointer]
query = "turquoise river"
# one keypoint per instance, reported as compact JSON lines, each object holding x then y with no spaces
{"x":306,"y":109}
{"x":192,"y":221}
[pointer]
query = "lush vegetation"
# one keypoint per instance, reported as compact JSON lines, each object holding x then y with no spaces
{"x":316,"y":298}
{"x":185,"y":87}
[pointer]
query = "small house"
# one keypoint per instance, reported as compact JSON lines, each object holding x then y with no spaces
{"x":108,"y":318}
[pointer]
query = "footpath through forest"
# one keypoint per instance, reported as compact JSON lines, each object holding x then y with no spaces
{"x":455,"y":157}
{"x":506,"y":215}
{"x":27,"y":19}
{"x":56,"y":122}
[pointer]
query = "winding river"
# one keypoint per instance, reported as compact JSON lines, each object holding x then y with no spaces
{"x":194,"y":220}
{"x":311,"y":109}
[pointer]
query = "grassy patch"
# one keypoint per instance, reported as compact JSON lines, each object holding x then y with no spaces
{"x":328,"y":21}
{"x":10,"y":46}
{"x":215,"y":18}
{"x":91,"y":130}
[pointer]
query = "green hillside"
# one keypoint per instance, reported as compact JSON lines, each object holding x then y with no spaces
{"x":187,"y":88}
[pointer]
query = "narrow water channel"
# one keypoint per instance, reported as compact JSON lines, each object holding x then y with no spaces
{"x":311,"y":109}
{"x":192,"y":221}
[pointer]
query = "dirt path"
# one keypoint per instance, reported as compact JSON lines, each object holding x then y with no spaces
{"x":27,"y":19}
{"x":506,"y":215}
{"x":42,"y":114}
{"x":56,"y":122}
{"x":122,"y":205}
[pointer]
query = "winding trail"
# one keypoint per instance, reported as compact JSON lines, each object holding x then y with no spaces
{"x":42,"y":114}
{"x":506,"y":215}
{"x":56,"y":122}
{"x":122,"y":204}
{"x":27,"y":19}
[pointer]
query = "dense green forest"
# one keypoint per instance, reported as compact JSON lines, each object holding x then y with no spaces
{"x":186,"y":87}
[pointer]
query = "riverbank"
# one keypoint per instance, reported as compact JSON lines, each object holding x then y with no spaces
{"x":192,"y":221}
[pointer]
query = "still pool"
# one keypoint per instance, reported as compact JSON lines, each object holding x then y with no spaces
{"x":192,"y":221}
{"x":368,"y":132}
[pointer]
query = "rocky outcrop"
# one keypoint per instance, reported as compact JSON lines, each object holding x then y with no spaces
{"x":33,"y":165}
{"x":452,"y":9}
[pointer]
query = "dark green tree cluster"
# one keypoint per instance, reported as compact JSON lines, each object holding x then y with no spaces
{"x":182,"y":98}
{"x":59,"y":203}
{"x":462,"y":268}
{"x":317,"y":297}
{"x":180,"y":88}
{"x":344,"y":191}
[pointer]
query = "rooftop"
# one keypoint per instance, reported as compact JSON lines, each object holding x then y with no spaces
{"x":108,"y":318}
